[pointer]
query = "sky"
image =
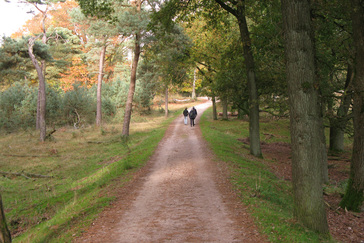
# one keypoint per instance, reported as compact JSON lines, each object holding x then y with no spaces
{"x":12,"y":16}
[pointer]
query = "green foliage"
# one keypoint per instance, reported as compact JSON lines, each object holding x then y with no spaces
{"x":15,"y":63}
{"x":165,"y":60}
{"x":269,"y":54}
{"x":108,"y":107}
{"x":10,"y":100}
{"x":18,"y":104}
{"x":100,"y":9}
{"x":63,"y":45}
{"x":18,"y":107}
{"x":144,"y":94}
{"x":217,"y":52}
{"x":78,"y":105}
{"x":229,"y":80}
{"x":116,"y":91}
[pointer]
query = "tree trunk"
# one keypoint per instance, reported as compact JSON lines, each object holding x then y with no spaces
{"x":214,"y":112}
{"x":324,"y":164}
{"x":305,"y":116}
{"x":353,"y":198}
{"x":254,"y":131}
{"x":5,"y":236}
{"x":336,"y":138}
{"x":99,"y":86}
{"x":129,"y":101}
{"x":224,"y":109}
{"x":166,"y":103}
{"x":37,"y":124}
{"x":338,"y":123}
{"x":43,"y":68}
{"x":194,"y":85}
{"x":41,"y":91}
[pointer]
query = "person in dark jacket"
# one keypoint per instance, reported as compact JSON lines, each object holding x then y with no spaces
{"x":193,"y":114}
{"x":185,"y":114}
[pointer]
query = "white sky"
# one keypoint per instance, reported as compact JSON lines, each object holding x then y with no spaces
{"x":12,"y":16}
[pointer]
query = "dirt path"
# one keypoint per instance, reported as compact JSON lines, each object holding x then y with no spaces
{"x":180,"y":196}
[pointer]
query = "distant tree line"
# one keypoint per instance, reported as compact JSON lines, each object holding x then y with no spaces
{"x":75,"y":107}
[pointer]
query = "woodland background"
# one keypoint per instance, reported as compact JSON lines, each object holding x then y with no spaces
{"x":106,"y":62}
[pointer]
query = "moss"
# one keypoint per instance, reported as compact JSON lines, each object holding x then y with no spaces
{"x":353,"y":198}
{"x":306,"y":86}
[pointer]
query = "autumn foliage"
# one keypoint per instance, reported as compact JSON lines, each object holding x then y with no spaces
{"x":77,"y":73}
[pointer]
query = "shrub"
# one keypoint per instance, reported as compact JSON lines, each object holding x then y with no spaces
{"x":10,"y":101}
{"x":78,"y":106}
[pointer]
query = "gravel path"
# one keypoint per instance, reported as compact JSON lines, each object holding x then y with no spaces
{"x":180,"y":196}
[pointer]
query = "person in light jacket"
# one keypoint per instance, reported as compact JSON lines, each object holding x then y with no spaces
{"x":185,"y":114}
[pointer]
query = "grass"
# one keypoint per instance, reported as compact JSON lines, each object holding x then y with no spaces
{"x":85,"y":165}
{"x":268,"y":197}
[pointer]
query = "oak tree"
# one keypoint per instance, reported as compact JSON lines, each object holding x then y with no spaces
{"x":305,"y":118}
{"x":354,"y":195}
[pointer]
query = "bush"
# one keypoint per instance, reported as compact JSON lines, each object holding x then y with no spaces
{"x":54,"y":104}
{"x":28,"y":108}
{"x":144,"y":95}
{"x":78,"y":106}
{"x":10,"y":101}
{"x":18,"y":104}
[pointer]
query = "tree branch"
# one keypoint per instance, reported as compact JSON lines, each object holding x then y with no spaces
{"x":205,"y":65}
{"x":227,"y":8}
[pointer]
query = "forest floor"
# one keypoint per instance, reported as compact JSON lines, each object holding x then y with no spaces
{"x":344,"y":226}
{"x":182,"y":195}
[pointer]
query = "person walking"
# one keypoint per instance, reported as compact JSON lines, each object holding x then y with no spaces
{"x":193,"y":114}
{"x":185,"y":114}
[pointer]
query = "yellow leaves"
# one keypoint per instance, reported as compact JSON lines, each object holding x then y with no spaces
{"x":77,"y":73}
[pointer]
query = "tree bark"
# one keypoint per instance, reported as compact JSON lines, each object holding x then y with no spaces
{"x":336,"y":138}
{"x":194,"y":85}
{"x":99,"y":86}
{"x":339,"y":122}
{"x":254,"y":130}
{"x":5,"y":236}
{"x":129,"y":101}
{"x":38,"y":122}
{"x":353,"y":198}
{"x":305,"y":118}
{"x":214,"y":112}
{"x":166,"y":102}
{"x":324,"y":163}
{"x":224,"y":109}
{"x":41,"y":91}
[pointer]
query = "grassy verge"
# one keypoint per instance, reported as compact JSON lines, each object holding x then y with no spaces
{"x":269,"y":198}
{"x":85,"y":165}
